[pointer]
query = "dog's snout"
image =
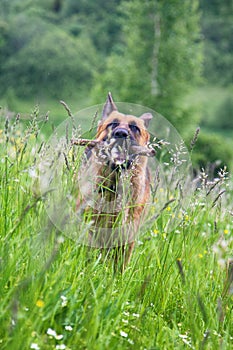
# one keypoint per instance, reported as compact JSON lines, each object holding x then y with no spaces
{"x":121,"y":132}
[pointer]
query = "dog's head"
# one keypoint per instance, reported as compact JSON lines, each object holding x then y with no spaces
{"x":122,"y":132}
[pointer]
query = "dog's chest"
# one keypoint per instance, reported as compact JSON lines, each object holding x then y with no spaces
{"x":114,"y":189}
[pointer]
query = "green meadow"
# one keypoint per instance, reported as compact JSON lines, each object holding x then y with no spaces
{"x":56,"y":293}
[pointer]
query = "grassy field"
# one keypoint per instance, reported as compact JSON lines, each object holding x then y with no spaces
{"x":176,"y":293}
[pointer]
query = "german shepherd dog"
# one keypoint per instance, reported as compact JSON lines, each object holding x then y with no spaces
{"x":115,"y":180}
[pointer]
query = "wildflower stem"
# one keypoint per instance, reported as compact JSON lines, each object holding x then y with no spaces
{"x":217,"y":198}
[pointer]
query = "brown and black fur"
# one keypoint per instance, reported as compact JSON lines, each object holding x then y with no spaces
{"x":112,"y":161}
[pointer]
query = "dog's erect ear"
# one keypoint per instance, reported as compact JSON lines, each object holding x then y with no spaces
{"x":146,"y":117}
{"x":109,"y":107}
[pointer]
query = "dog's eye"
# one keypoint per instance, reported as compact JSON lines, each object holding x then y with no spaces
{"x":113,"y":125}
{"x":134,"y":128}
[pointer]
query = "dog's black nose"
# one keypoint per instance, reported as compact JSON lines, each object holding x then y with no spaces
{"x":120,"y":132}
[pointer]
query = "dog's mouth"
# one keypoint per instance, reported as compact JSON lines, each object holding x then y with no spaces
{"x":120,"y":152}
{"x":119,"y":160}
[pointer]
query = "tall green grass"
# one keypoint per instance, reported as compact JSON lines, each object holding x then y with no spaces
{"x":176,"y":293}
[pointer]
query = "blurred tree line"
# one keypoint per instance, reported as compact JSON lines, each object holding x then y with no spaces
{"x":149,"y":53}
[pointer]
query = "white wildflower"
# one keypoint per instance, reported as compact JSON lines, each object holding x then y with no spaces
{"x":51,"y":332}
{"x":61,"y":346}
{"x":54,"y":334}
{"x":59,"y":336}
{"x":125,"y":321}
{"x":186,"y":340}
{"x":126,"y":313}
{"x":123,"y":334}
{"x":64,"y":301}
{"x":34,"y":346}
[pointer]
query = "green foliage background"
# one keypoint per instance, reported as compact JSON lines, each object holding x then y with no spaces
{"x":161,"y":54}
